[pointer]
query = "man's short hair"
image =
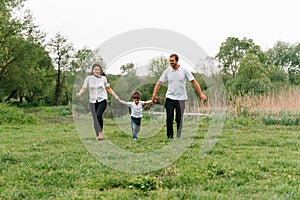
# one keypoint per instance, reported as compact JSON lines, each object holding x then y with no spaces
{"x":175,"y":55}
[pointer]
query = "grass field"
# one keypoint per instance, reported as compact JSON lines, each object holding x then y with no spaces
{"x":47,"y":160}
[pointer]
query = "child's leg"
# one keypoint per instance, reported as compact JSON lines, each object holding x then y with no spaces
{"x":135,"y":126}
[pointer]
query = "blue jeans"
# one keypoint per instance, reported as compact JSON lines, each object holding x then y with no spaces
{"x":135,"y":126}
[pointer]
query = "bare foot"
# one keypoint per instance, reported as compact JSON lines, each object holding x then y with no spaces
{"x":100,"y":137}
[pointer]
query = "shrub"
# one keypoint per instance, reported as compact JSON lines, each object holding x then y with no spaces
{"x":14,"y":115}
{"x":283,"y":121}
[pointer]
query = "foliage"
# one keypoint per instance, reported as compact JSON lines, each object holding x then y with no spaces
{"x":62,"y":52}
{"x":143,"y":183}
{"x":233,"y":50}
{"x":14,"y":115}
{"x":287,"y":57}
{"x":24,"y":62}
{"x":127,"y":68}
{"x":158,"y":65}
{"x":282,"y":121}
{"x":278,"y":75}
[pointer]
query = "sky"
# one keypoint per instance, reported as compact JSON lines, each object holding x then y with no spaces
{"x":89,"y":23}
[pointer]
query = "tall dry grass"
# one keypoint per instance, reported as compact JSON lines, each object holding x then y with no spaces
{"x":284,"y":100}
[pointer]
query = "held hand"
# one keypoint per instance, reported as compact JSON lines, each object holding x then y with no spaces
{"x":117,"y":98}
{"x":203,"y":97}
{"x":154,"y":99}
{"x":78,"y":94}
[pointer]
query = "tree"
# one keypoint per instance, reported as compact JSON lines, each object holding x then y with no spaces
{"x":24,"y":62}
{"x":84,"y":59}
{"x":251,"y":67}
{"x":27,"y":76}
{"x":158,"y":65}
{"x":251,"y":78}
{"x":129,"y":67}
{"x":287,"y":57}
{"x":233,"y":50}
{"x":278,"y":75}
{"x":62,"y":54}
{"x":9,"y":28}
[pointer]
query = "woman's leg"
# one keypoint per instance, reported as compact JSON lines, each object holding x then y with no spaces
{"x":100,"y":110}
{"x":93,"y":108}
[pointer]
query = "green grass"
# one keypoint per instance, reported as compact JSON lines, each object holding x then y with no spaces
{"x":49,"y":161}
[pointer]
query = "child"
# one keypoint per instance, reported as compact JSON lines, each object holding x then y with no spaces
{"x":136,"y":112}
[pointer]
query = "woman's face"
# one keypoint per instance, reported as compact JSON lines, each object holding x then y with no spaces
{"x":96,"y":71}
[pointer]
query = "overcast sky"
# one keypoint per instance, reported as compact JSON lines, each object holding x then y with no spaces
{"x":91,"y":22}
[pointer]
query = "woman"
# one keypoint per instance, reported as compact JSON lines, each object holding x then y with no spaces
{"x":98,"y":87}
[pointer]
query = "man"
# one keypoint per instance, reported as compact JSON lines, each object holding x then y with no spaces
{"x":176,"y":94}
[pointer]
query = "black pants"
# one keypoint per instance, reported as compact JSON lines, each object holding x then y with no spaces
{"x":178,"y":106}
{"x":97,"y":110}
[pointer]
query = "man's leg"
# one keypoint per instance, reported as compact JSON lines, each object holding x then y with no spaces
{"x":180,"y":106}
{"x":170,"y":117}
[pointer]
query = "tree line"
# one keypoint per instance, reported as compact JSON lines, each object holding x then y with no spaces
{"x":41,"y":72}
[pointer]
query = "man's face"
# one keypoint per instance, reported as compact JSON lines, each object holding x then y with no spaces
{"x":172,"y":61}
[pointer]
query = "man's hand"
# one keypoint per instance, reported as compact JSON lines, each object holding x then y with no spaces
{"x":154,"y":99}
{"x":203,"y":97}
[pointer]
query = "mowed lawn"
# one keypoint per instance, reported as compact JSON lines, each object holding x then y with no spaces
{"x":48,"y":160}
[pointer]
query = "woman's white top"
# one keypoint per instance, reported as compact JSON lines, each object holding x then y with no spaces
{"x":97,"y":87}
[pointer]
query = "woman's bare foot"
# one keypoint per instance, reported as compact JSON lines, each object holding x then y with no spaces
{"x":100,"y":137}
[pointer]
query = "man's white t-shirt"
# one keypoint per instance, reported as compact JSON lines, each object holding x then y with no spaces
{"x":176,"y":82}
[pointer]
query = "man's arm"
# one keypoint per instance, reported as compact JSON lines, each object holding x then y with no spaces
{"x":198,"y":88}
{"x":156,"y":88}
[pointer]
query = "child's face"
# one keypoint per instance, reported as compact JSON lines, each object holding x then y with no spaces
{"x":136,"y":100}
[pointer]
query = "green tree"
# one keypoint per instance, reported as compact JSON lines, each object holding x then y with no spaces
{"x":158,"y":65}
{"x":251,"y":78}
{"x":24,"y":62}
{"x":251,"y":67}
{"x":287,"y":57}
{"x":129,"y":67}
{"x":62,"y":55}
{"x":233,"y":50}
{"x":278,"y":75}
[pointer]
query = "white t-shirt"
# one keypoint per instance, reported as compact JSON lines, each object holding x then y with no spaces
{"x":136,"y":110}
{"x":176,"y":82}
{"x":96,"y":87}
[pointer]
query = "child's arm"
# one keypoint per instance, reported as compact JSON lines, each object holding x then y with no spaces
{"x":148,"y":102}
{"x":122,"y":102}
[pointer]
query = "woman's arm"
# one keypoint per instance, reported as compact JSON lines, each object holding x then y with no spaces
{"x":81,"y":91}
{"x":110,"y":91}
{"x":122,"y":102}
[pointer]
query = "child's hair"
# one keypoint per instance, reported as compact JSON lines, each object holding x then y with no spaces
{"x":136,"y":95}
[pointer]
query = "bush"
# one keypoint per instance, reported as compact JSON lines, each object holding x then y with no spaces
{"x":283,"y":121}
{"x":14,"y":115}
